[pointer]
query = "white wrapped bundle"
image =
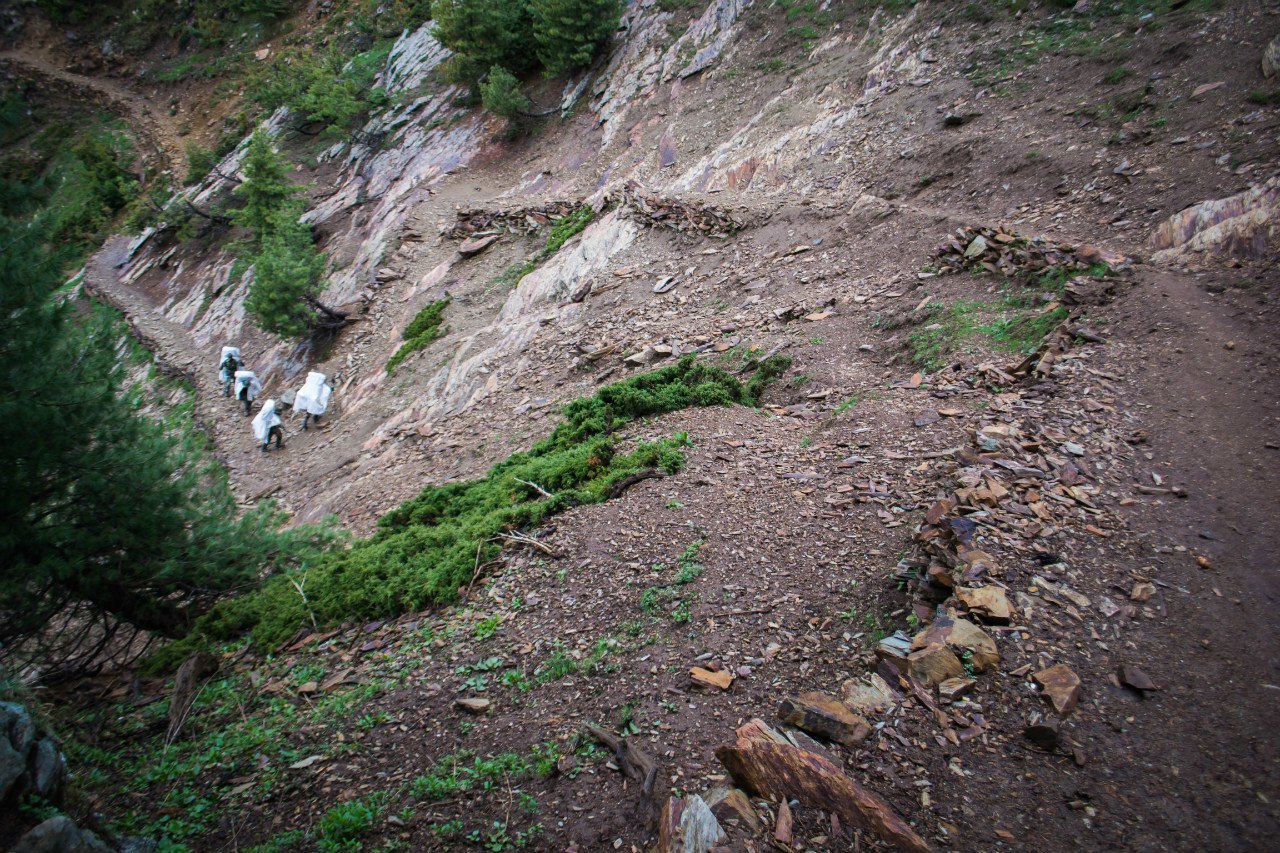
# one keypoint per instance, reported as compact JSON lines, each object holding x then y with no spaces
{"x":265,"y":420}
{"x":226,"y":351}
{"x":247,"y":378}
{"x":313,"y":396}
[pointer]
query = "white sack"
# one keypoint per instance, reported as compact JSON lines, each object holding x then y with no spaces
{"x":265,"y":420}
{"x":247,"y":377}
{"x":226,"y":351}
{"x":313,"y":396}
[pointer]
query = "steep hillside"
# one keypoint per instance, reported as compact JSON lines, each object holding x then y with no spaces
{"x":1030,"y":387}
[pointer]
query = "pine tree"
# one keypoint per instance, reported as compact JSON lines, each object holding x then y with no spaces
{"x":288,"y":276}
{"x":484,"y":33}
{"x":501,"y":95}
{"x":266,"y":187}
{"x":103,"y":512}
{"x":570,"y":33}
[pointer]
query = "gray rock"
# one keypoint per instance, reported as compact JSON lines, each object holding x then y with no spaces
{"x":18,"y":726}
{"x":12,"y":765}
{"x":59,"y":835}
{"x":50,"y":769}
{"x":700,"y":828}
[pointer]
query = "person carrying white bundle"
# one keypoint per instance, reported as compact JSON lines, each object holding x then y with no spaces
{"x":312,"y":398}
{"x":227,"y":368}
{"x":267,"y":424}
{"x":248,"y":387}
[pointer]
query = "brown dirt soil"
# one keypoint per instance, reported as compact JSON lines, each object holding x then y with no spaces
{"x":801,"y":517}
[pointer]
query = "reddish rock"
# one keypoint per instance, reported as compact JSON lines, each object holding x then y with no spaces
{"x":824,"y":716}
{"x":991,"y":603}
{"x":768,"y":769}
{"x":933,"y":665}
{"x":1060,"y":686}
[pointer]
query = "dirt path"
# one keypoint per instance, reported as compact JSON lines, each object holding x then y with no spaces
{"x":1210,"y":385}
{"x":155,"y":130}
{"x":220,"y":419}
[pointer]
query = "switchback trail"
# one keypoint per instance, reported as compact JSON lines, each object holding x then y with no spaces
{"x":154,"y":130}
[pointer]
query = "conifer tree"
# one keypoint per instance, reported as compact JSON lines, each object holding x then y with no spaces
{"x":484,"y":33}
{"x":569,"y":33}
{"x":102,"y":509}
{"x":266,"y":187}
{"x":288,"y":276}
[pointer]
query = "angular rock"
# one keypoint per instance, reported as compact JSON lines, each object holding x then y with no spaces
{"x":1242,"y":225}
{"x":1061,"y":686}
{"x":777,"y":771}
{"x":722,"y":680}
{"x":476,"y":245}
{"x":472,"y":704}
{"x":934,"y":664}
{"x":12,"y":765}
{"x":731,"y":805}
{"x":17,"y":724}
{"x":49,"y":769}
{"x":895,"y":648}
{"x":869,"y":694}
{"x":1131,"y":676}
{"x":1271,"y":58}
{"x":962,"y":635}
{"x":954,"y":688}
{"x":824,"y":716}
{"x":1142,"y":592}
{"x":688,"y":826}
{"x":989,"y":602}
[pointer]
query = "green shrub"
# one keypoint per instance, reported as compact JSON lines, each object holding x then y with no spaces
{"x":500,"y":93}
{"x":423,"y":329}
{"x":430,"y":545}
{"x":200,"y":162}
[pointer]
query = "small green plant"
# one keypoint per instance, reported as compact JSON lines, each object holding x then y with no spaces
{"x":806,"y":442}
{"x":1116,"y":75}
{"x":342,"y":827}
{"x":488,"y":626}
{"x":424,"y":329}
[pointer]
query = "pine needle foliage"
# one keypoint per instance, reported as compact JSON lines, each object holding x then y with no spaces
{"x":430,"y":546}
{"x":101,"y":508}
{"x":570,"y":33}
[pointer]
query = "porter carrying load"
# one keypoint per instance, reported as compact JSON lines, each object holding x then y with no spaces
{"x":248,"y":387}
{"x":267,"y":424}
{"x":312,"y":398}
{"x":227,"y":366}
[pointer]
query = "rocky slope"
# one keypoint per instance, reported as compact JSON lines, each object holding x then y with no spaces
{"x":1099,"y":511}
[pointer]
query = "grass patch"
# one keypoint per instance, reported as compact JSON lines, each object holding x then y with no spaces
{"x":567,"y":227}
{"x":1009,"y":323}
{"x":429,"y":546}
{"x":423,"y":330}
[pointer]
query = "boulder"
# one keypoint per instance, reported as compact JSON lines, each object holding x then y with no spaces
{"x":824,"y":716}
{"x":59,"y":835}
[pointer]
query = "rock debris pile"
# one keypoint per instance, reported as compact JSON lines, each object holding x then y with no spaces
{"x":1003,"y":252}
